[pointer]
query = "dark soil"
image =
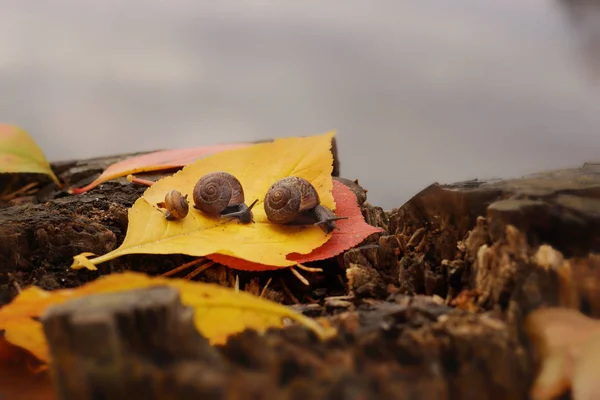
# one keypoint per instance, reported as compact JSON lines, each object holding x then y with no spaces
{"x":432,"y":308}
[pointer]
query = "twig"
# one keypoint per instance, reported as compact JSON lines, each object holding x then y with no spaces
{"x":299,"y":276}
{"x":264,"y":289}
{"x":184,"y":266}
{"x":309,"y":269}
{"x":288,"y":291}
{"x":198,"y":270}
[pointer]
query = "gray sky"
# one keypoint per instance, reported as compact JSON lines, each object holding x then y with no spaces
{"x":419,"y":91}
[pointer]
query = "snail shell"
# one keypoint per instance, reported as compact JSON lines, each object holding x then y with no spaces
{"x":295,"y":200}
{"x":176,"y":205}
{"x":216,"y":191}
{"x":288,"y":197}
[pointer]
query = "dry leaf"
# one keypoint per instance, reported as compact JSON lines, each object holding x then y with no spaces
{"x":263,"y":242}
{"x":20,"y":154}
{"x":219,"y":311}
{"x":156,"y":161}
{"x":568,"y":344}
{"x":350,"y":232}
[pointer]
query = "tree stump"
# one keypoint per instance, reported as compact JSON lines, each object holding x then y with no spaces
{"x":431,"y":308}
{"x":124,"y":345}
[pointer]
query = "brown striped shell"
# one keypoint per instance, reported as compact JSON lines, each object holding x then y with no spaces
{"x":216,"y":191}
{"x":289,"y":196}
{"x":176,"y":205}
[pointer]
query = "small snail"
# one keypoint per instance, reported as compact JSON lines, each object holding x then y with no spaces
{"x":176,"y":205}
{"x":222,"y":193}
{"x":294,"y":200}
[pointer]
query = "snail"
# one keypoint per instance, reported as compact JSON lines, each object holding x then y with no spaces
{"x":294,"y":200}
{"x":176,"y":205}
{"x":220,"y":193}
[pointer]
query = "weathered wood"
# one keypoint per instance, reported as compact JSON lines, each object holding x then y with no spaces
{"x":123,"y":345}
{"x":410,"y":347}
{"x":557,"y":208}
{"x":431,"y":308}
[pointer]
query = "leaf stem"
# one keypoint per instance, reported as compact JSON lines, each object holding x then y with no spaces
{"x":131,"y":178}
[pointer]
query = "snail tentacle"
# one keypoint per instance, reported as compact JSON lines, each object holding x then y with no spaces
{"x":326,"y":218}
{"x":242,"y":212}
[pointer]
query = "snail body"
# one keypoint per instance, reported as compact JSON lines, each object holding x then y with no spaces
{"x":294,"y":200}
{"x":176,"y":205}
{"x":221,"y":193}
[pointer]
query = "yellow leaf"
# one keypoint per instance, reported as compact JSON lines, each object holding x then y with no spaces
{"x":20,"y":154}
{"x":28,"y":334}
{"x":586,"y":385}
{"x":568,"y":345}
{"x":257,"y":167}
{"x":219,"y":312}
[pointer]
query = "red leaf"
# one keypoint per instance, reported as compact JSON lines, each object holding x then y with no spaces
{"x":351,"y":232}
{"x":241,"y":264}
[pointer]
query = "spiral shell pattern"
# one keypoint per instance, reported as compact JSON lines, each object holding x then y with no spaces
{"x":176,"y":204}
{"x":216,"y":191}
{"x":289,"y":196}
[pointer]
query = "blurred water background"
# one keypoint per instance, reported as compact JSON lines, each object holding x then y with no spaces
{"x":419,"y":91}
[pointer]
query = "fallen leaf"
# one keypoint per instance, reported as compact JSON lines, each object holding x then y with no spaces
{"x":219,"y":311}
{"x":568,"y":345}
{"x":156,"y":161}
{"x":350,"y":232}
{"x":20,"y":154}
{"x":28,"y":334}
{"x":257,"y":167}
{"x":585,"y":384}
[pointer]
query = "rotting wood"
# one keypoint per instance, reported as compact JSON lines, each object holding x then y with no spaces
{"x":138,"y":344}
{"x":435,"y":227}
{"x":124,"y":345}
{"x":493,"y":251}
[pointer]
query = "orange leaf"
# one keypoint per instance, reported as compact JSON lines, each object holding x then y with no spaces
{"x":156,"y":161}
{"x":351,"y":232}
{"x":219,"y":311}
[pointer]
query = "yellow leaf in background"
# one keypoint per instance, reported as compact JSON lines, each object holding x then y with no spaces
{"x":257,"y":167}
{"x":568,"y":345}
{"x":219,"y":311}
{"x":20,"y":154}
